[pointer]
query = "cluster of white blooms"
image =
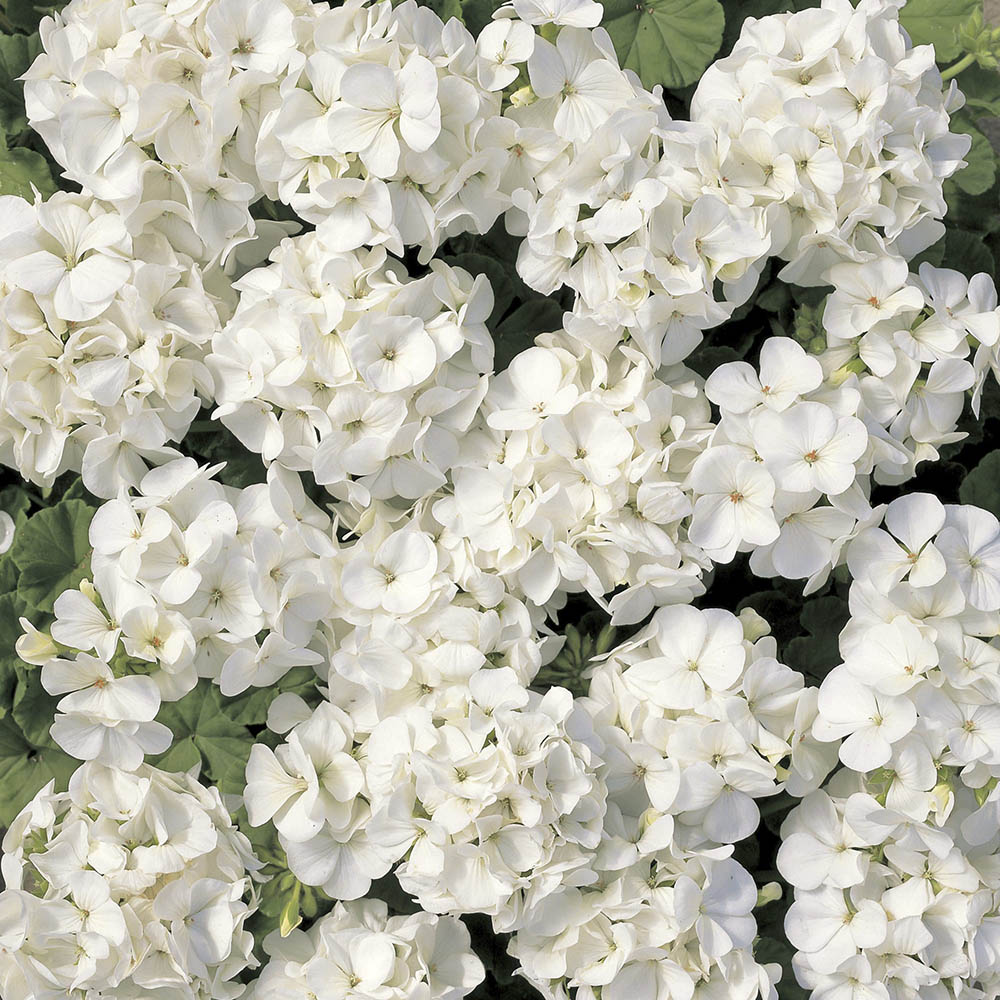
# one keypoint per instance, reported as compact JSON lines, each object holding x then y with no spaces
{"x":618,"y":207}
{"x":895,"y":865}
{"x":697,"y":719}
{"x":786,"y":440}
{"x":834,"y":126}
{"x":788,"y":473}
{"x":190,"y":578}
{"x":895,"y":895}
{"x":490,"y":793}
{"x":131,"y":884}
{"x":658,"y":922}
{"x":901,"y":341}
{"x":156,"y":107}
{"x":704,"y":720}
{"x":411,"y":623}
{"x":102,"y":343}
{"x":823,"y":137}
{"x":572,"y":479}
{"x":358,"y":950}
{"x":388,"y":128}
{"x":337,"y":364}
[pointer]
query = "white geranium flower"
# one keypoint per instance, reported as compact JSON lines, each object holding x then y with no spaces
{"x":970,"y":545}
{"x":823,"y":849}
{"x":893,"y":657}
{"x":311,"y":781}
{"x":254,"y":36}
{"x":77,"y":257}
{"x":866,"y":294}
{"x":576,"y":13}
{"x":721,"y":910}
{"x":807,"y":447}
{"x":705,"y":655}
{"x":786,"y":372}
{"x":501,"y":45}
{"x":391,"y":352}
{"x":104,"y":718}
{"x":373,"y":99}
{"x":871,"y":722}
{"x":576,"y":74}
{"x":396,"y":577}
{"x":734,"y":503}
{"x":906,"y":550}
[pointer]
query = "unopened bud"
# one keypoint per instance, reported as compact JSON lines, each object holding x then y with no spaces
{"x":754,"y":626}
{"x":769,"y":893}
{"x":523,"y":97}
{"x":34,"y":646}
{"x":853,"y":367}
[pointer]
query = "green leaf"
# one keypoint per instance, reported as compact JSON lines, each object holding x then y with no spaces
{"x":665,"y":41}
{"x":935,"y":22}
{"x":476,"y":13}
{"x":445,"y":9}
{"x":25,"y":770}
{"x":33,"y":707}
{"x":981,"y":487}
{"x":980,"y":174}
{"x":20,"y":169}
{"x":823,"y":618}
{"x":779,"y":610}
{"x":17,"y":52}
{"x":75,"y":490}
{"x":517,"y":332}
{"x":52,"y":552}
{"x":708,"y":357}
{"x":11,"y":609}
{"x":968,"y":251}
{"x":25,"y":14}
{"x":250,"y":709}
{"x":181,"y":756}
{"x":201,"y":718}
{"x":15,"y":501}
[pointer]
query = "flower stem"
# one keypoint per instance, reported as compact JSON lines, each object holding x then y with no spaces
{"x":955,"y":68}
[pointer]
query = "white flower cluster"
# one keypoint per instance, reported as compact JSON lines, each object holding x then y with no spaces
{"x":572,"y":480}
{"x":670,"y":923}
{"x":102,"y":343}
{"x":701,"y":713}
{"x":411,"y":622}
{"x":132,"y":883}
{"x":788,"y":473}
{"x":901,"y":341}
{"x":156,"y":108}
{"x":697,"y":719}
{"x":823,"y":137}
{"x":388,"y":130}
{"x":786,"y":439}
{"x":358,"y":950}
{"x":491,"y":793}
{"x":895,"y":863}
{"x":190,"y":578}
{"x":833,"y":125}
{"x":336,"y":363}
